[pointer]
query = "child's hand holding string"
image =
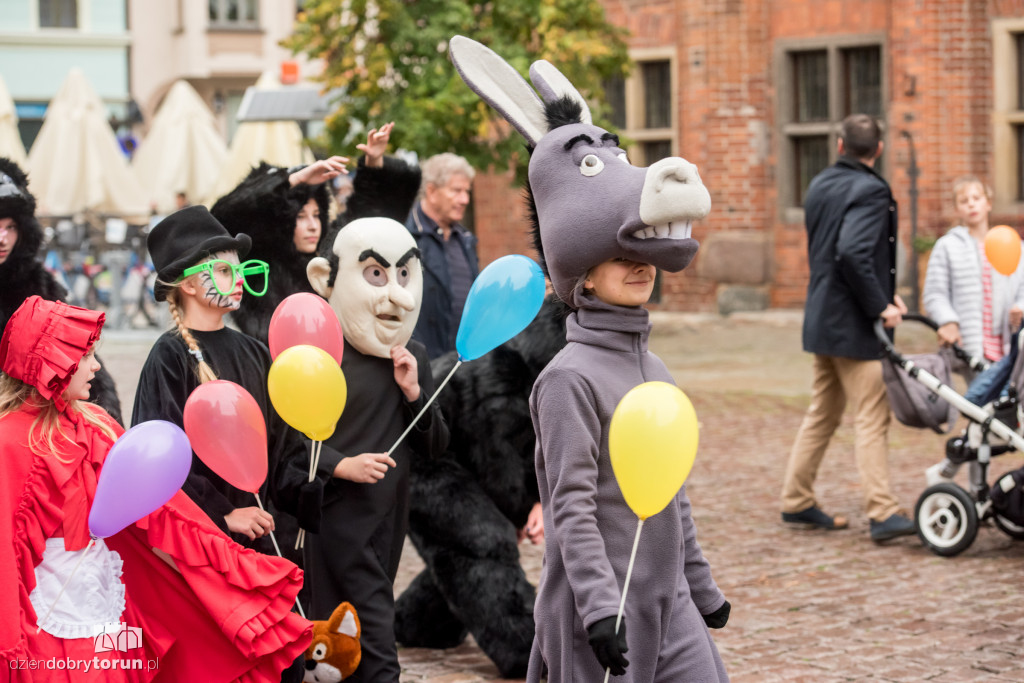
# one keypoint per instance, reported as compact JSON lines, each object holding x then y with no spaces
{"x":251,"y":521}
{"x":367,"y":468}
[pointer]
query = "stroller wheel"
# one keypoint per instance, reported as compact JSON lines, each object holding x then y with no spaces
{"x":1015,"y":531}
{"x":946,"y":519}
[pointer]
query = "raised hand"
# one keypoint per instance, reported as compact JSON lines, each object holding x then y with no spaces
{"x":406,"y":372}
{"x":319,"y":172}
{"x":376,"y":144}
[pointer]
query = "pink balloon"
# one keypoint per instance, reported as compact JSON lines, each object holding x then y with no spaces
{"x":144,"y":468}
{"x":228,"y":433}
{"x":305,"y":318}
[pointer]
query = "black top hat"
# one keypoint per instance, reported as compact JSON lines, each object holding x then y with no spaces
{"x":183,"y":239}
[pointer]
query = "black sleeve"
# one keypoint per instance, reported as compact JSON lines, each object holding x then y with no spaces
{"x":290,"y":487}
{"x":864,"y":226}
{"x":389,"y":191}
{"x":429,"y":437}
{"x":164,"y":386}
{"x":261,"y":199}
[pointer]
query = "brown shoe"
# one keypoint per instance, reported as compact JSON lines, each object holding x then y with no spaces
{"x":814,"y":518}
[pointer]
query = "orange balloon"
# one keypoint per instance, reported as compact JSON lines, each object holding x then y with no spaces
{"x":1002,"y":249}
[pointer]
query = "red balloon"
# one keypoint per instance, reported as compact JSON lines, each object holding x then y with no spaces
{"x":227,"y":431}
{"x":305,"y":318}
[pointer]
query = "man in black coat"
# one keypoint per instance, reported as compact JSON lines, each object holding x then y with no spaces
{"x":21,"y":272}
{"x":851,"y":246}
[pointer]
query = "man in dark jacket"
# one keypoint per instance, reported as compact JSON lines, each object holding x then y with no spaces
{"x":851,"y":247}
{"x":447,"y":249}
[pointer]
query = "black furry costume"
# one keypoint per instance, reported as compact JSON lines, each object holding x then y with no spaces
{"x":467,"y":505}
{"x":23,"y":275}
{"x":265,"y":207}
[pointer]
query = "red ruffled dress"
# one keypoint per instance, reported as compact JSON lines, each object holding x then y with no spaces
{"x":224,"y":615}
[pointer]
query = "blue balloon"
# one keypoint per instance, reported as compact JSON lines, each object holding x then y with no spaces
{"x":503,"y":300}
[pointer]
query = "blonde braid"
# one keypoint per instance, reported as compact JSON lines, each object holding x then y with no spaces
{"x":203,"y":370}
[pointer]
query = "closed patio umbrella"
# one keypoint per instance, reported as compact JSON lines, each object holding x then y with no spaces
{"x":277,"y":142}
{"x":10,"y":139}
{"x":76,"y":163}
{"x":183,"y":151}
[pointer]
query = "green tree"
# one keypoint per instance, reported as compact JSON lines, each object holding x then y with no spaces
{"x":389,"y":58}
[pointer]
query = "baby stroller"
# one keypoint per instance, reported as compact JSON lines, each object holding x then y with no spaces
{"x":947,"y":516}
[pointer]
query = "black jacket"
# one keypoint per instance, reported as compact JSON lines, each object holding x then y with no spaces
{"x":851,"y":248}
{"x":434,"y":329}
{"x":265,"y":207}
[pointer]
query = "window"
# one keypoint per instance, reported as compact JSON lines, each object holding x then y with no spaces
{"x":234,"y":13}
{"x":811,"y":76}
{"x":1008,"y":114}
{"x":657,"y":78}
{"x":819,"y":86}
{"x":643,"y":106}
{"x":615,"y":94}
{"x":58,"y":14}
{"x":30,"y":120}
{"x":862,"y":80}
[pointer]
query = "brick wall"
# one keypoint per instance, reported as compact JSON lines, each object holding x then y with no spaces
{"x":937,"y":60}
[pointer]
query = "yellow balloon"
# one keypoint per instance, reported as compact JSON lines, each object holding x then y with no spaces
{"x":653,"y":441}
{"x":1002,"y":249}
{"x":308,"y":390}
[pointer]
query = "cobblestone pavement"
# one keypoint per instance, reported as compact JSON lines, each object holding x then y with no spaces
{"x":807,"y":605}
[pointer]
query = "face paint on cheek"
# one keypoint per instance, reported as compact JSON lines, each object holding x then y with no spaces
{"x":215,"y":298}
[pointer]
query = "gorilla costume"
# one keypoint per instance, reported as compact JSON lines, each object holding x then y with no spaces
{"x":22,"y":273}
{"x":265,"y":206}
{"x":467,"y":505}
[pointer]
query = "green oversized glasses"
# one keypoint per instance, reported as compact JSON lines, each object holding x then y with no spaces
{"x":255,"y":275}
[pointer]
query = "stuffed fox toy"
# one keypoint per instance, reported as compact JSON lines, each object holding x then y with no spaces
{"x":335,"y":652}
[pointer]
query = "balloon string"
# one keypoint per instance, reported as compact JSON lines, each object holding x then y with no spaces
{"x":417,"y":418}
{"x":85,"y":550}
{"x":319,"y":447}
{"x":625,"y":587}
{"x":278,"y":549}
{"x":314,"y":461}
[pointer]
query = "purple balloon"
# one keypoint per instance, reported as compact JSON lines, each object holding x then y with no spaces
{"x":144,"y":469}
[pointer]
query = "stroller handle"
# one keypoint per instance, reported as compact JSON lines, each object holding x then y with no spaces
{"x":976,"y":364}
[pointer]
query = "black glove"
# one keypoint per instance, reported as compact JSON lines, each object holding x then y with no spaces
{"x":719,"y":617}
{"x":609,"y":647}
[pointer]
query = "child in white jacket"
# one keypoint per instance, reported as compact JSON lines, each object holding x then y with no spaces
{"x":974,"y":305}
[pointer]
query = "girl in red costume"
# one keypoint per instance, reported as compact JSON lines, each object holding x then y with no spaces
{"x":206,"y":608}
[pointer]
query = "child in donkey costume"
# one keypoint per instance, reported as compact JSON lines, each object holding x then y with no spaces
{"x":602,"y":228}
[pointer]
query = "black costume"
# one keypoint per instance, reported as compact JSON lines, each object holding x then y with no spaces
{"x":265,"y":206}
{"x":23,"y":275}
{"x":355,"y":555}
{"x":467,"y":505}
{"x":169,"y":377}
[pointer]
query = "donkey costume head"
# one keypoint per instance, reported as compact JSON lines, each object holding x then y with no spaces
{"x":591,"y":205}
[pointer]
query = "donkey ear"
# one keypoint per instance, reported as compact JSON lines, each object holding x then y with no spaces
{"x":500,"y":86}
{"x":553,"y":85}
